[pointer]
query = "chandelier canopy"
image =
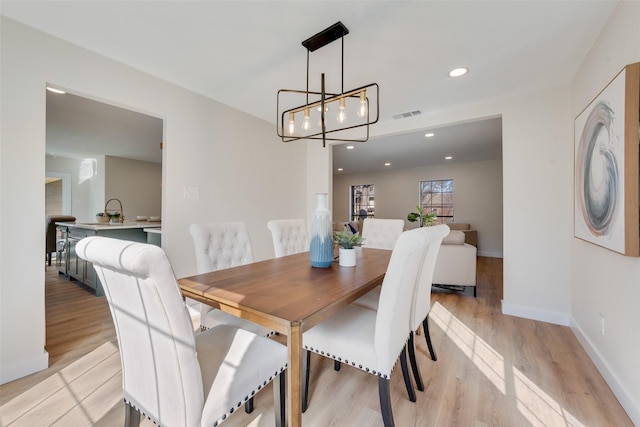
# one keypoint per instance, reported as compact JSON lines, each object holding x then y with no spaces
{"x":344,"y":116}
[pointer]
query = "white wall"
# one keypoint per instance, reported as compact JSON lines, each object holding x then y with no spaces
{"x":604,"y":282}
{"x":242,"y":170}
{"x":537,"y":196}
{"x":477,"y":196}
{"x":137,"y":184}
{"x":87,"y":184}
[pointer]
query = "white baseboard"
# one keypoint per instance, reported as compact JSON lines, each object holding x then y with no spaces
{"x":24,"y":368}
{"x":630,"y":406}
{"x":535,"y":314}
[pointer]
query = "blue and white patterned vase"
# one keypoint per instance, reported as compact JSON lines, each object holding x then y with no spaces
{"x":321,"y":250}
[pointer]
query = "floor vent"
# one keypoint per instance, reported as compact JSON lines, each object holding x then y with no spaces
{"x":406,"y":114}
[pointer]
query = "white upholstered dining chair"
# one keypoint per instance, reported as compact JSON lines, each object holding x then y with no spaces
{"x":421,"y":305}
{"x":289,"y":236}
{"x":381,"y":233}
{"x":169,"y":374}
{"x":422,"y":298}
{"x":372,"y":340}
{"x":219,"y":246}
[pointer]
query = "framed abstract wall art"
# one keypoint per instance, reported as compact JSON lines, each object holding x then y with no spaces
{"x":607,"y":163}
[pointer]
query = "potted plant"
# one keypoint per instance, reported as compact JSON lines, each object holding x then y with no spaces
{"x":423,"y":217}
{"x":347,"y":240}
{"x":114,"y":218}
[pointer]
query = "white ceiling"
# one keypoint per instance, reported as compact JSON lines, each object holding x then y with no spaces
{"x":465,"y":142}
{"x":242,"y":52}
{"x":78,"y":127}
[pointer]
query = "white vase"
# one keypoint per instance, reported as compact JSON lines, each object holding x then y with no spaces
{"x":321,"y":248}
{"x":347,"y":257}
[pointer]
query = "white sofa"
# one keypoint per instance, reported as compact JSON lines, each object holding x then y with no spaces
{"x":456,"y":263}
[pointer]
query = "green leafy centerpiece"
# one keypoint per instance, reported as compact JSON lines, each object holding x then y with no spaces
{"x":347,"y":242}
{"x":423,"y":217}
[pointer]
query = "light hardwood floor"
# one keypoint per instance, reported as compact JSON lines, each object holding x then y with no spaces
{"x":492,"y":370}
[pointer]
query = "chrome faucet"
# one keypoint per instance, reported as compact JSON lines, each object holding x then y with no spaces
{"x":121,"y":219}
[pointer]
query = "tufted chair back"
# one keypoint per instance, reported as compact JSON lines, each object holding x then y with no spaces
{"x":152,"y":325}
{"x":381,"y":233}
{"x":221,"y":245}
{"x":289,"y":236}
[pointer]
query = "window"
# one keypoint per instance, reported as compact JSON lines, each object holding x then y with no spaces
{"x":437,"y":195}
{"x":362,"y":201}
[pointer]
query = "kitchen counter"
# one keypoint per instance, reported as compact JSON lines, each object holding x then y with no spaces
{"x":74,"y":267}
{"x":97,"y":226}
{"x":152,"y":230}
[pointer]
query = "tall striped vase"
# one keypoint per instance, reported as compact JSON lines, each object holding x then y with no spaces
{"x":321,"y":250}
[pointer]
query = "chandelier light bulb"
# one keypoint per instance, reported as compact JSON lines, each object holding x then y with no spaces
{"x":326,"y":109}
{"x":292,"y":124}
{"x":306,"y":124}
{"x":342,"y":114}
{"x":362,"y":110}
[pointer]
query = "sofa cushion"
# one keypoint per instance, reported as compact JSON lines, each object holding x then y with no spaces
{"x":471,"y":236}
{"x":455,"y":237}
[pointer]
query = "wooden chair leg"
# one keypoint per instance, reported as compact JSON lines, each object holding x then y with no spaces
{"x":427,"y":336}
{"x":306,"y":367}
{"x":414,"y":363}
{"x":405,"y":374}
{"x":279,"y":401}
{"x":131,"y":416}
{"x":248,"y":406}
{"x":385,"y":402}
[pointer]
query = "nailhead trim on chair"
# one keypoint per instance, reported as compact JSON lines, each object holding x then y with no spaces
{"x":231,"y":410}
{"x":204,"y":328}
{"x":153,"y":420}
{"x":253,"y":392}
{"x":339,"y":359}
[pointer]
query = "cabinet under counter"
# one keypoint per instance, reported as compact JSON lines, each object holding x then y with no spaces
{"x":82,"y":271}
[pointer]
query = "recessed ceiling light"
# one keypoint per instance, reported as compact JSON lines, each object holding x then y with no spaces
{"x":458,"y":72}
{"x":350,"y":147}
{"x":448,"y":158}
{"x":340,"y":169}
{"x":54,"y":90}
{"x":429,"y":135}
{"x":387,"y":164}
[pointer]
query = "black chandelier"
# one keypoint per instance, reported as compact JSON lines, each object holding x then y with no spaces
{"x":312,"y":119}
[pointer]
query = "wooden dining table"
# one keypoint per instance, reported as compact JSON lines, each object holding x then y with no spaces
{"x":289,"y":296}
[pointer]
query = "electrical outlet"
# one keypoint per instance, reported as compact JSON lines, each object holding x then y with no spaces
{"x":601,"y":323}
{"x":191,"y":192}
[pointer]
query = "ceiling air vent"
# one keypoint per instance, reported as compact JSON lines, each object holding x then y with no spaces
{"x":406,"y":114}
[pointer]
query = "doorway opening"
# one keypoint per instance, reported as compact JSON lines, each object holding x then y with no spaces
{"x":96,"y":151}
